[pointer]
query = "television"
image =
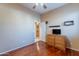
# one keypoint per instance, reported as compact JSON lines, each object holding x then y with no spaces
{"x":56,"y":31}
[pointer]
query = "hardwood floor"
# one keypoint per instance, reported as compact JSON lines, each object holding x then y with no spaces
{"x":41,"y":49}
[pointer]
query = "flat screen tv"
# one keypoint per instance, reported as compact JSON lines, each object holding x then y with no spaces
{"x":56,"y":31}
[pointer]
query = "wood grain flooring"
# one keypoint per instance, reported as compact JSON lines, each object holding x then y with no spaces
{"x":41,"y":49}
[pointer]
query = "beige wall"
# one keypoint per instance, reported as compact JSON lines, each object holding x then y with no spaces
{"x":16,"y":26}
{"x":59,"y":16}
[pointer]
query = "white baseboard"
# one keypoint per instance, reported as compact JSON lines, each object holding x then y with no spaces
{"x":14,"y":49}
{"x":73,"y":49}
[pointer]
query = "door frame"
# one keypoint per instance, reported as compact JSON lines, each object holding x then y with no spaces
{"x":35,"y":30}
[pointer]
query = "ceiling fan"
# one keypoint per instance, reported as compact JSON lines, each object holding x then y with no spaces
{"x":41,"y":4}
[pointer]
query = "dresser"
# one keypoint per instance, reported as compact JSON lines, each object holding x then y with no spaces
{"x":57,"y":41}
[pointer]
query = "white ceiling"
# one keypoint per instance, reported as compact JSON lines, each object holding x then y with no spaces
{"x":40,"y":10}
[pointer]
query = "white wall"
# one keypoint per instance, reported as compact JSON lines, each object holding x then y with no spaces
{"x":43,"y":31}
{"x":59,"y":16}
{"x":16,"y":26}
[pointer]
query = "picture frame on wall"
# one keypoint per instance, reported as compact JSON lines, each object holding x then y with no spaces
{"x":68,"y":23}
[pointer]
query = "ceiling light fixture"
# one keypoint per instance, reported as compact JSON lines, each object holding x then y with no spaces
{"x":41,"y":4}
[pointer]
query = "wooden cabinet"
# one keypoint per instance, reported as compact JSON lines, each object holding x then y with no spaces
{"x":56,"y":41}
{"x":60,"y":42}
{"x":50,"y":40}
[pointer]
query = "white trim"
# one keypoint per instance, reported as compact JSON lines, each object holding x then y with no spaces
{"x":73,"y":49}
{"x":14,"y":49}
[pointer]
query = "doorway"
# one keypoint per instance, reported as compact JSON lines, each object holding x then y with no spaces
{"x":37,"y":31}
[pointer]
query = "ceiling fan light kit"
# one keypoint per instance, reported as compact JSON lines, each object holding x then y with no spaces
{"x":41,"y":4}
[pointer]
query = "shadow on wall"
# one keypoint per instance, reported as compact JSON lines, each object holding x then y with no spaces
{"x":75,"y":42}
{"x":68,"y":44}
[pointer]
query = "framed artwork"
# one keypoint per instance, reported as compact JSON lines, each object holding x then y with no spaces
{"x":68,"y":23}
